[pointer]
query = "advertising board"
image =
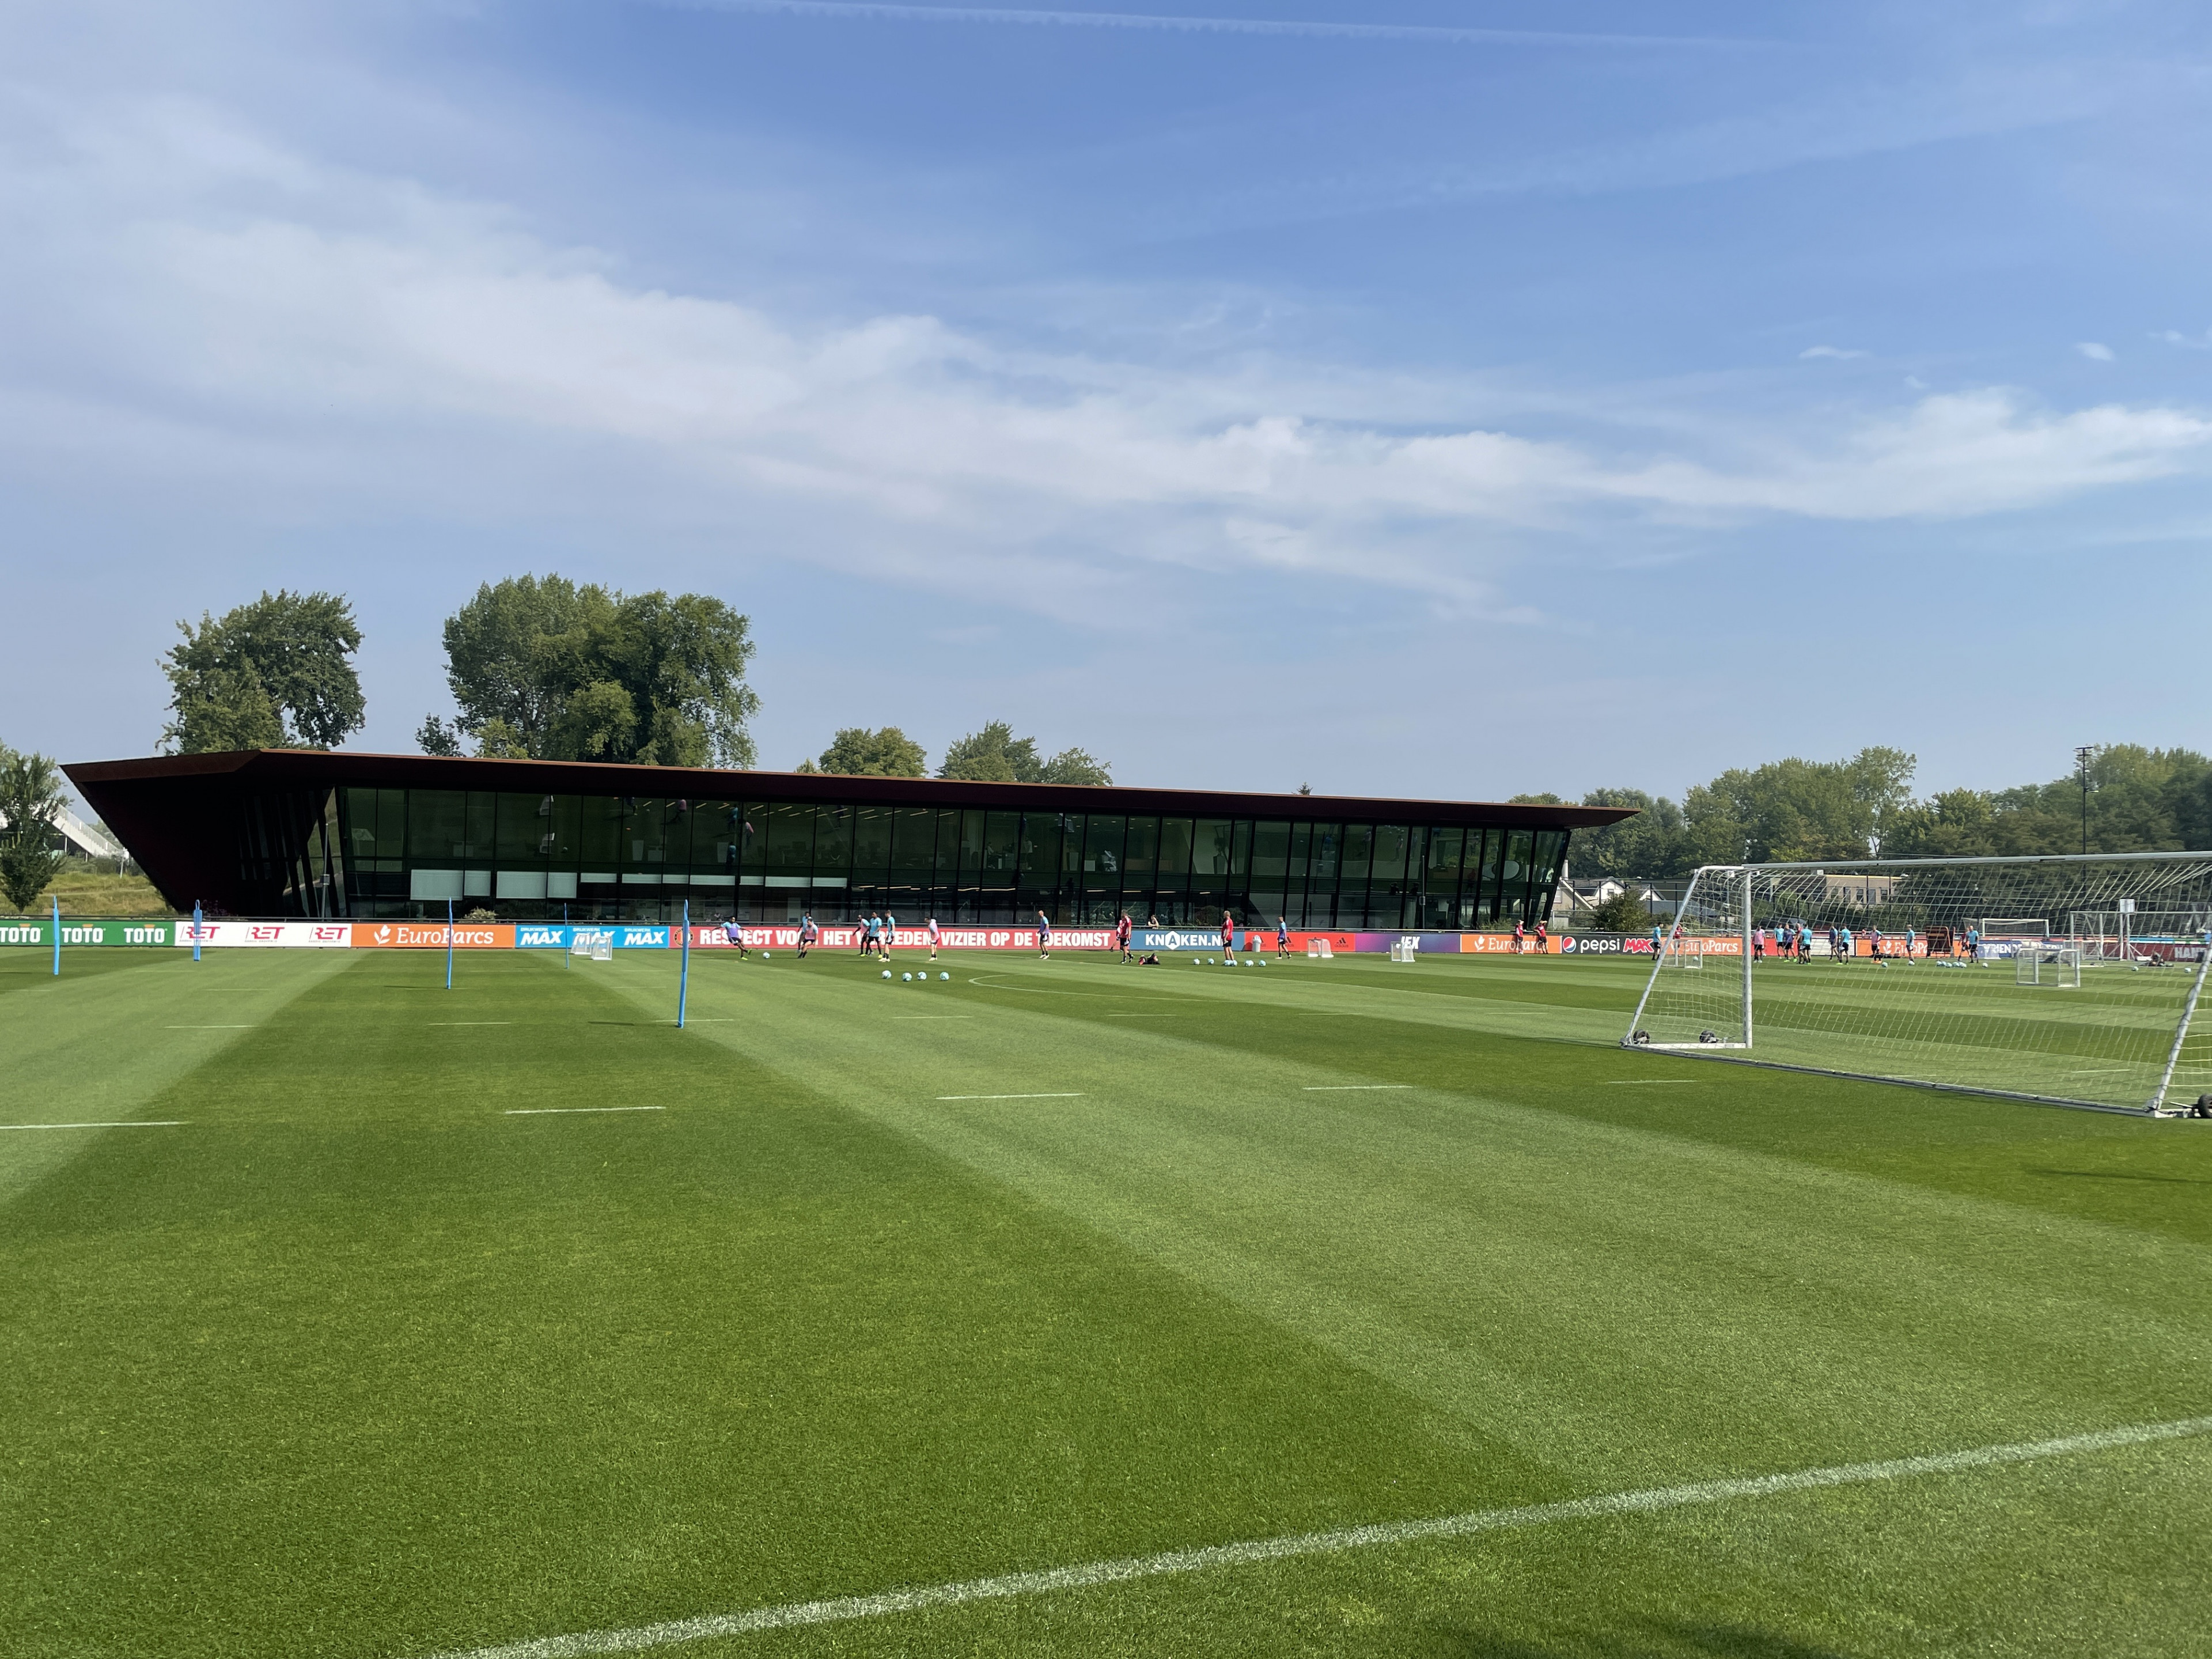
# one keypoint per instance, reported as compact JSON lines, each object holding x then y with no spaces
{"x":267,"y":935}
{"x":431,"y":935}
{"x":613,"y":935}
{"x":92,"y":930}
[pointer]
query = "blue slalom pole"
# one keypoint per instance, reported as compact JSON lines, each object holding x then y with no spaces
{"x":683,"y":977}
{"x":449,"y":945}
{"x":58,"y":937}
{"x":196,"y":930}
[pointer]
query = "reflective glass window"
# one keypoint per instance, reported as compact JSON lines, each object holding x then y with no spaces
{"x":1271,"y":853}
{"x":437,"y":825}
{"x":913,"y":848}
{"x":789,"y":857}
{"x":1358,"y":856}
{"x":833,"y":845}
{"x":872,"y":846}
{"x":1140,"y":862}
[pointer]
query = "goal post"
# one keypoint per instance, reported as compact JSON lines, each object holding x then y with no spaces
{"x":1940,"y":972}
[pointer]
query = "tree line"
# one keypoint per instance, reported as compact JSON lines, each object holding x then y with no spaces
{"x":542,"y":668}
{"x":2126,"y":798}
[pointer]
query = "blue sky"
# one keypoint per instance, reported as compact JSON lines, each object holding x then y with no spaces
{"x":1477,"y":399}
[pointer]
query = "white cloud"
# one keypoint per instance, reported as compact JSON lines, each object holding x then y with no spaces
{"x":2193,"y":342}
{"x":1837,"y":352}
{"x":2094,"y":352}
{"x":221,"y":308}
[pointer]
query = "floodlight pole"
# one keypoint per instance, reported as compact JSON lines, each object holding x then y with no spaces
{"x":196,"y":930}
{"x":449,"y":945}
{"x":58,"y":936}
{"x":684,"y":974}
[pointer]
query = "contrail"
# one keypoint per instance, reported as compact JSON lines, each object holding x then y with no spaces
{"x":874,"y":10}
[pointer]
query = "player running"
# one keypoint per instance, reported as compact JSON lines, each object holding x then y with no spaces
{"x":1044,"y":937}
{"x":936,"y":938}
{"x":810,"y":934}
{"x":733,"y":935}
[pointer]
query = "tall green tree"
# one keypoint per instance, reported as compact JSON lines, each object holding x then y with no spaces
{"x":858,"y":752}
{"x":31,"y":802}
{"x":1799,"y":809}
{"x":995,"y":755}
{"x":274,"y":673}
{"x":1654,"y":844}
{"x":544,"y":668}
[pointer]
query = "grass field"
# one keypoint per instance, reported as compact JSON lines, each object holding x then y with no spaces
{"x":385,"y":1338}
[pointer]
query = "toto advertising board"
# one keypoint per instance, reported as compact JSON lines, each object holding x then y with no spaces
{"x":89,"y":931}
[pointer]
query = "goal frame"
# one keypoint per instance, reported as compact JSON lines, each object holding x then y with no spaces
{"x":1736,"y":883}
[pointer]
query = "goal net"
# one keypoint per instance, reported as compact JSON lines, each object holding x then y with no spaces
{"x":1949,"y":973}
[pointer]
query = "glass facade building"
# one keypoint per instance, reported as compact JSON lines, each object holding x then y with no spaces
{"x":289,"y":833}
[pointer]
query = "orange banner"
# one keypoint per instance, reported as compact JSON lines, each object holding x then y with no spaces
{"x":431,"y":935}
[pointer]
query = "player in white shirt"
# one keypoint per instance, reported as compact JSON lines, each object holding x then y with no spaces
{"x":936,"y":938}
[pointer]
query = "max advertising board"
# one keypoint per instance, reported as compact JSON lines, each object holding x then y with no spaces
{"x":614,"y":936}
{"x":267,"y":935}
{"x":431,"y":936}
{"x":89,"y":931}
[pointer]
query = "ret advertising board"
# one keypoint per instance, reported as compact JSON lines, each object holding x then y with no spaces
{"x":267,"y":935}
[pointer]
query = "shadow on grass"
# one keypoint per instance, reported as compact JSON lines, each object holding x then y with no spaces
{"x":2125,"y":1175}
{"x":1658,"y":1641}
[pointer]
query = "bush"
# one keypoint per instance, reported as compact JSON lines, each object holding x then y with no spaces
{"x":1624,"y":913}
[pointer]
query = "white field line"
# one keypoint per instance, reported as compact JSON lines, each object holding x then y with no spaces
{"x":572,"y":1111}
{"x":133,"y":1123}
{"x":900,"y":1017}
{"x":1346,"y":1088}
{"x":840,"y":1609}
{"x":1646,"y":1082}
{"x":1077,"y":1094}
{"x":471,"y":1021}
{"x":207,"y":1028}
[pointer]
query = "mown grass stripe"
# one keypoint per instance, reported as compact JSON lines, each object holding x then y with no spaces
{"x":841,"y":1609}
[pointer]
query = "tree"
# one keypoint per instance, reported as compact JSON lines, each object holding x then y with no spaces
{"x":1624,"y":913}
{"x":1077,"y":766}
{"x":1794,"y":809}
{"x":275,"y":673}
{"x":995,"y":755}
{"x":544,"y":668}
{"x":992,"y":755}
{"x":31,"y":802}
{"x":1653,"y":844}
{"x":857,"y":752}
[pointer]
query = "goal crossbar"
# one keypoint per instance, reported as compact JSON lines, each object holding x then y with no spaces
{"x":1883,"y":968}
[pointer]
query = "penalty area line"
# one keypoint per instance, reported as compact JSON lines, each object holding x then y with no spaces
{"x":572,"y":1111}
{"x":845,"y":1609}
{"x":1077,"y":1094}
{"x":132,"y":1123}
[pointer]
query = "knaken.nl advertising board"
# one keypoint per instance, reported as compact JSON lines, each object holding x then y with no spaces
{"x":268,"y":935}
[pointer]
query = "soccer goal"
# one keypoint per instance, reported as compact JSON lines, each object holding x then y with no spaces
{"x":1318,"y":950}
{"x":1939,"y":971}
